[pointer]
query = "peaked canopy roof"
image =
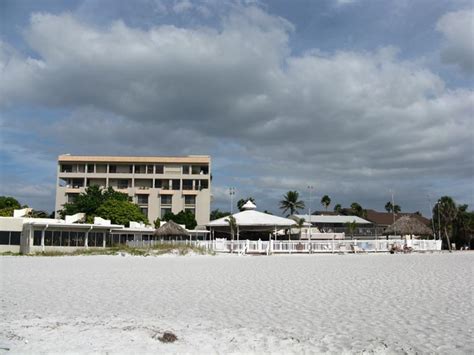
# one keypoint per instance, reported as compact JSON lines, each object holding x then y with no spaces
{"x":250,"y":219}
{"x":171,"y":229}
{"x":408,"y":225}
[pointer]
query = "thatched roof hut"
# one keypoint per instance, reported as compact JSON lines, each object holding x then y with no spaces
{"x":407,"y":225}
{"x":171,"y":229}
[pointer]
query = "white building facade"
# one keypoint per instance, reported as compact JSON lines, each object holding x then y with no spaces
{"x":156,"y":184}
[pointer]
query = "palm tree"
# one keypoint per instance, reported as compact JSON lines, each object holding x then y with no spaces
{"x":291,"y":202}
{"x":300,"y":224}
{"x":351,"y":227}
{"x":392,"y":208}
{"x":233,"y":228}
{"x":338,"y":208}
{"x":448,"y":212}
{"x":326,"y":201}
{"x":357,"y":209}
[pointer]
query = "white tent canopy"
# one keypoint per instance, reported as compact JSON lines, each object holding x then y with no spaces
{"x":251,"y":220}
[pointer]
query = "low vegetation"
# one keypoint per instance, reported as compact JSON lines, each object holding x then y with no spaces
{"x":156,"y":250}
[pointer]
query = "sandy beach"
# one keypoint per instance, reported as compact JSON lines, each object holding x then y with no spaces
{"x":414,"y":303}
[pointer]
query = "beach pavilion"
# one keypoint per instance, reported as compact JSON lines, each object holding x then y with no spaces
{"x":408,"y":226}
{"x":171,"y":230}
{"x":251,"y":220}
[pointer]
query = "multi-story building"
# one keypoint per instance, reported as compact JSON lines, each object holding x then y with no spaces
{"x":156,"y":184}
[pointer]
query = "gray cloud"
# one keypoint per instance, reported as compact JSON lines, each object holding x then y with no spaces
{"x":458,"y":30}
{"x":355,"y":122}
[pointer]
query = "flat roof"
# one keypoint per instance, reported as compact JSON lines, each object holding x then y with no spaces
{"x":73,"y":225}
{"x":204,"y":159}
{"x":332,"y":219}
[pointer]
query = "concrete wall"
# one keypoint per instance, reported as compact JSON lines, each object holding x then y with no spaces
{"x":11,"y":224}
{"x":9,"y":248}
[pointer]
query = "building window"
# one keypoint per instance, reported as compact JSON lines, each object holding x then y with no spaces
{"x":140,"y":169}
{"x":77,"y":183}
{"x":159,"y":169}
{"x":71,"y":198}
{"x":187,"y":184}
{"x":112,"y":169}
{"x":189,"y":200}
{"x":142,"y":199}
{"x":4,"y":237}
{"x":203,"y":184}
{"x":64,"y":238}
{"x":122,"y":184}
{"x":144,"y":211}
{"x":164,"y":211}
{"x":101,"y":168}
{"x":200,"y":169}
{"x":176,"y":184}
{"x":66,"y":168}
{"x":166,"y":199}
{"x":149,"y":169}
{"x":162,"y":184}
{"x":90,"y":168}
{"x":81,"y":168}
{"x":48,"y":239}
{"x":37,"y":238}
{"x":56,"y":237}
{"x":15,"y":238}
{"x":186,"y":169}
{"x":99,"y":239}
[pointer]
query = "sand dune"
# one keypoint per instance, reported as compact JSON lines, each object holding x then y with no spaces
{"x":278,"y":304}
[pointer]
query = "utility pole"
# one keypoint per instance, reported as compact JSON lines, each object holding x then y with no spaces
{"x":432,"y":218}
{"x":439,"y":221}
{"x":393,"y":211}
{"x":310,"y":188}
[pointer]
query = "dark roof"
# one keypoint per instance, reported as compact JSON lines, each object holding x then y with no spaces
{"x":386,"y":218}
{"x":408,"y":225}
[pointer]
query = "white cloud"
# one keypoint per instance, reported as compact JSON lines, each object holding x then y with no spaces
{"x":344,"y":2}
{"x":182,"y":6}
{"x":352,"y":121}
{"x":458,"y":30}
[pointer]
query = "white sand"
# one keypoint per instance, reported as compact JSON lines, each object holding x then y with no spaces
{"x":279,"y":304}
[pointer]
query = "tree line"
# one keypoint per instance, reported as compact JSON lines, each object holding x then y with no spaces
{"x":452,"y":222}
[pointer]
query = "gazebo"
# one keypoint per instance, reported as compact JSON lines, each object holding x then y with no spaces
{"x":407,"y":225}
{"x":171,"y":229}
{"x":251,"y":220}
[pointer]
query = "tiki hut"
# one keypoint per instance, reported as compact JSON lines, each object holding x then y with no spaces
{"x":407,"y":225}
{"x":171,"y":230}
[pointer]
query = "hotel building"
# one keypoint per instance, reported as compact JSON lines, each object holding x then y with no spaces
{"x":156,"y":184}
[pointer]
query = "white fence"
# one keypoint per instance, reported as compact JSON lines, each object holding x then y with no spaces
{"x":329,"y":246}
{"x":302,"y":246}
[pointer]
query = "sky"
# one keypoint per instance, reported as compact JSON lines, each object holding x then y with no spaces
{"x":356,"y":98}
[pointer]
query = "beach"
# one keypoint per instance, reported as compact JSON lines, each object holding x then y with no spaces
{"x":382,"y":303}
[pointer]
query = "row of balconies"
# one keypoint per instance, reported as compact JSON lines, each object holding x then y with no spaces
{"x":176,"y":184}
{"x":135,"y":190}
{"x":153,"y":169}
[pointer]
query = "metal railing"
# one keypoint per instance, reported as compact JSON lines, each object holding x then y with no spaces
{"x":298,"y":246}
{"x":329,"y":246}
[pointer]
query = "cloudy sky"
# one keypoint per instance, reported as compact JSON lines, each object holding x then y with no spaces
{"x":353,"y":97}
